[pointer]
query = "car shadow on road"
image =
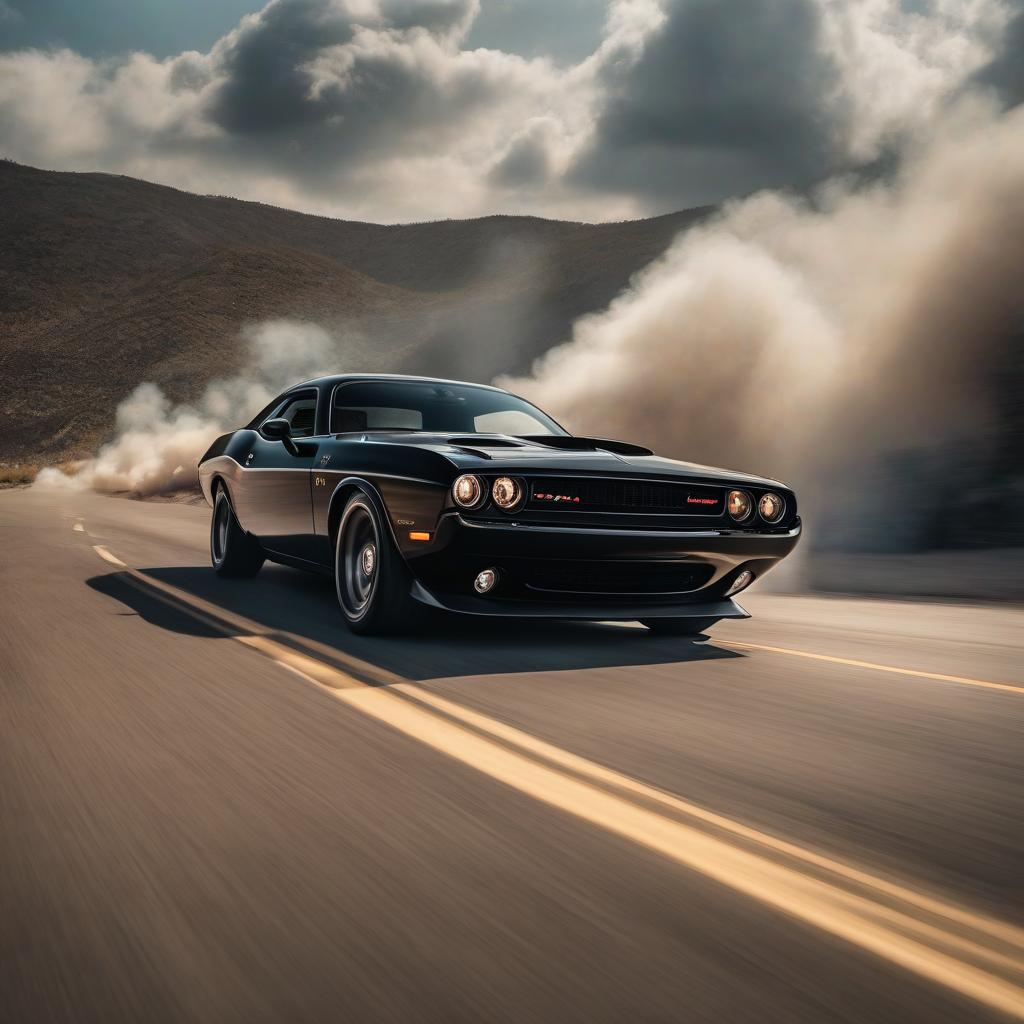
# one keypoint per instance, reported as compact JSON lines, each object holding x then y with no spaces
{"x":292,"y":602}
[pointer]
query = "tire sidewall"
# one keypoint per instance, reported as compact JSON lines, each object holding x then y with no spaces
{"x":240,"y":554}
{"x":221,"y":506}
{"x":360,"y":499}
{"x":390,"y":608}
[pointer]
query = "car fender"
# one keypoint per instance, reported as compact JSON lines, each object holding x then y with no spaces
{"x":221,"y":470}
{"x":340,"y":495}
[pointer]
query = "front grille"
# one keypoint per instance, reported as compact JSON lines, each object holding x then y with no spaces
{"x":559,"y":576}
{"x":589,"y":494}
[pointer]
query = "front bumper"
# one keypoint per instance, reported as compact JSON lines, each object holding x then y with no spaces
{"x":551,"y":571}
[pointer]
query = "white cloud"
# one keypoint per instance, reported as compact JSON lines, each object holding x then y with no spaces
{"x":377,"y":109}
{"x":898,"y":63}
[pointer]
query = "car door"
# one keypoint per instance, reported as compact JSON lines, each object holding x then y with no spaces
{"x":274,"y":501}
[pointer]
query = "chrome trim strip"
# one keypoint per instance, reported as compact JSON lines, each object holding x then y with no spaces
{"x":599,"y":532}
{"x":555,"y":507}
{"x":373,"y":474}
{"x":370,"y":474}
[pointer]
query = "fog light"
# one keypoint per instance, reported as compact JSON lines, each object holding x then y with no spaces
{"x":485,"y":580}
{"x":744,"y":579}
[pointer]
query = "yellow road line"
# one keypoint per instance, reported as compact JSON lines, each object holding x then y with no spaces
{"x":108,"y":557}
{"x":854,"y":663}
{"x":938,"y":941}
{"x":78,"y":528}
{"x":883,"y":930}
{"x":581,"y":766}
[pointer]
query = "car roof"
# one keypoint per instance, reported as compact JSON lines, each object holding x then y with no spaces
{"x":342,"y":378}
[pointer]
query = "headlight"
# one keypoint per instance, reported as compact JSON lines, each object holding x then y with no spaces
{"x":506,"y":492}
{"x":772,"y":507}
{"x":739,"y":505}
{"x":468,"y":491}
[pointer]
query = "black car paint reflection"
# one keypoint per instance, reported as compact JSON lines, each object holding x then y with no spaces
{"x":601,"y":529}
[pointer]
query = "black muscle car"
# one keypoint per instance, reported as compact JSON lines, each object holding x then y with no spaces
{"x":411,"y":491}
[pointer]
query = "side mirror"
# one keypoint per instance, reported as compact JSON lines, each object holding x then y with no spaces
{"x":280,"y":430}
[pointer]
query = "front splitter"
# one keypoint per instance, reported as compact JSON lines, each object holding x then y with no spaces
{"x":496,"y":608}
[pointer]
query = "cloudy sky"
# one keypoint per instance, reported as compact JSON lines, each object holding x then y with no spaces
{"x":396,"y":110}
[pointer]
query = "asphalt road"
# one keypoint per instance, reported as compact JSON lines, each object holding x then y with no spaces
{"x":217,"y":805}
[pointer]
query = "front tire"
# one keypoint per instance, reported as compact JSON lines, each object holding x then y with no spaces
{"x":371,"y":580}
{"x":233,"y":552}
{"x":678,"y":627}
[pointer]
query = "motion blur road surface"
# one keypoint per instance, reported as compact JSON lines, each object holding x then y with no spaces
{"x":218,"y":805}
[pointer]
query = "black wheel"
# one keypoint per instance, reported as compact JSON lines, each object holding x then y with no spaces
{"x":232,"y":551}
{"x":370,"y":577}
{"x":678,"y":627}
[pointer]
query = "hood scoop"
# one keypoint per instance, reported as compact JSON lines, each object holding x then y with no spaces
{"x":482,"y":441}
{"x":477,"y":445}
{"x":568,"y":443}
{"x":480,"y":444}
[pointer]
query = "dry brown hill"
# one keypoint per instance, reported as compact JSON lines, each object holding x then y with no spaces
{"x":106,"y":281}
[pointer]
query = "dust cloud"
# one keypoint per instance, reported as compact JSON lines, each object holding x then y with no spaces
{"x":157,"y":445}
{"x":830,"y":340}
{"x":850,"y":342}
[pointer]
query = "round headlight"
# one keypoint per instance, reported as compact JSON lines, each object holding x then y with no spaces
{"x":739,"y":505}
{"x":467,"y":491}
{"x":506,"y":492}
{"x":772,"y":507}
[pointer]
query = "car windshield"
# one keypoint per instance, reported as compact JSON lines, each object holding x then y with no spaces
{"x":445,"y":408}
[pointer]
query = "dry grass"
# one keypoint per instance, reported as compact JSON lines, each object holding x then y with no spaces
{"x":17,"y":474}
{"x":106,"y":282}
{"x":21,"y":474}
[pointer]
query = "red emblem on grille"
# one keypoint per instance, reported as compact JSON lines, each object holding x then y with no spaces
{"x":574,"y":499}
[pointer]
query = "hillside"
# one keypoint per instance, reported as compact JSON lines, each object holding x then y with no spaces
{"x":107,"y":281}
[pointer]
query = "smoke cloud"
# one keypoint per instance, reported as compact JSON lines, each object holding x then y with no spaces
{"x":862,"y":344}
{"x":157,"y":445}
{"x":826,"y":340}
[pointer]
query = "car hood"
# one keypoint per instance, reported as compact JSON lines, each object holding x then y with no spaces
{"x":491,"y":452}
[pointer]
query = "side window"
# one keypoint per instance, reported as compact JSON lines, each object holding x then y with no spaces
{"x":300,"y":412}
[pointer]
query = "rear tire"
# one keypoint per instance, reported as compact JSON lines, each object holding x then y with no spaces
{"x":233,"y":552}
{"x":678,"y":627}
{"x":370,"y":577}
